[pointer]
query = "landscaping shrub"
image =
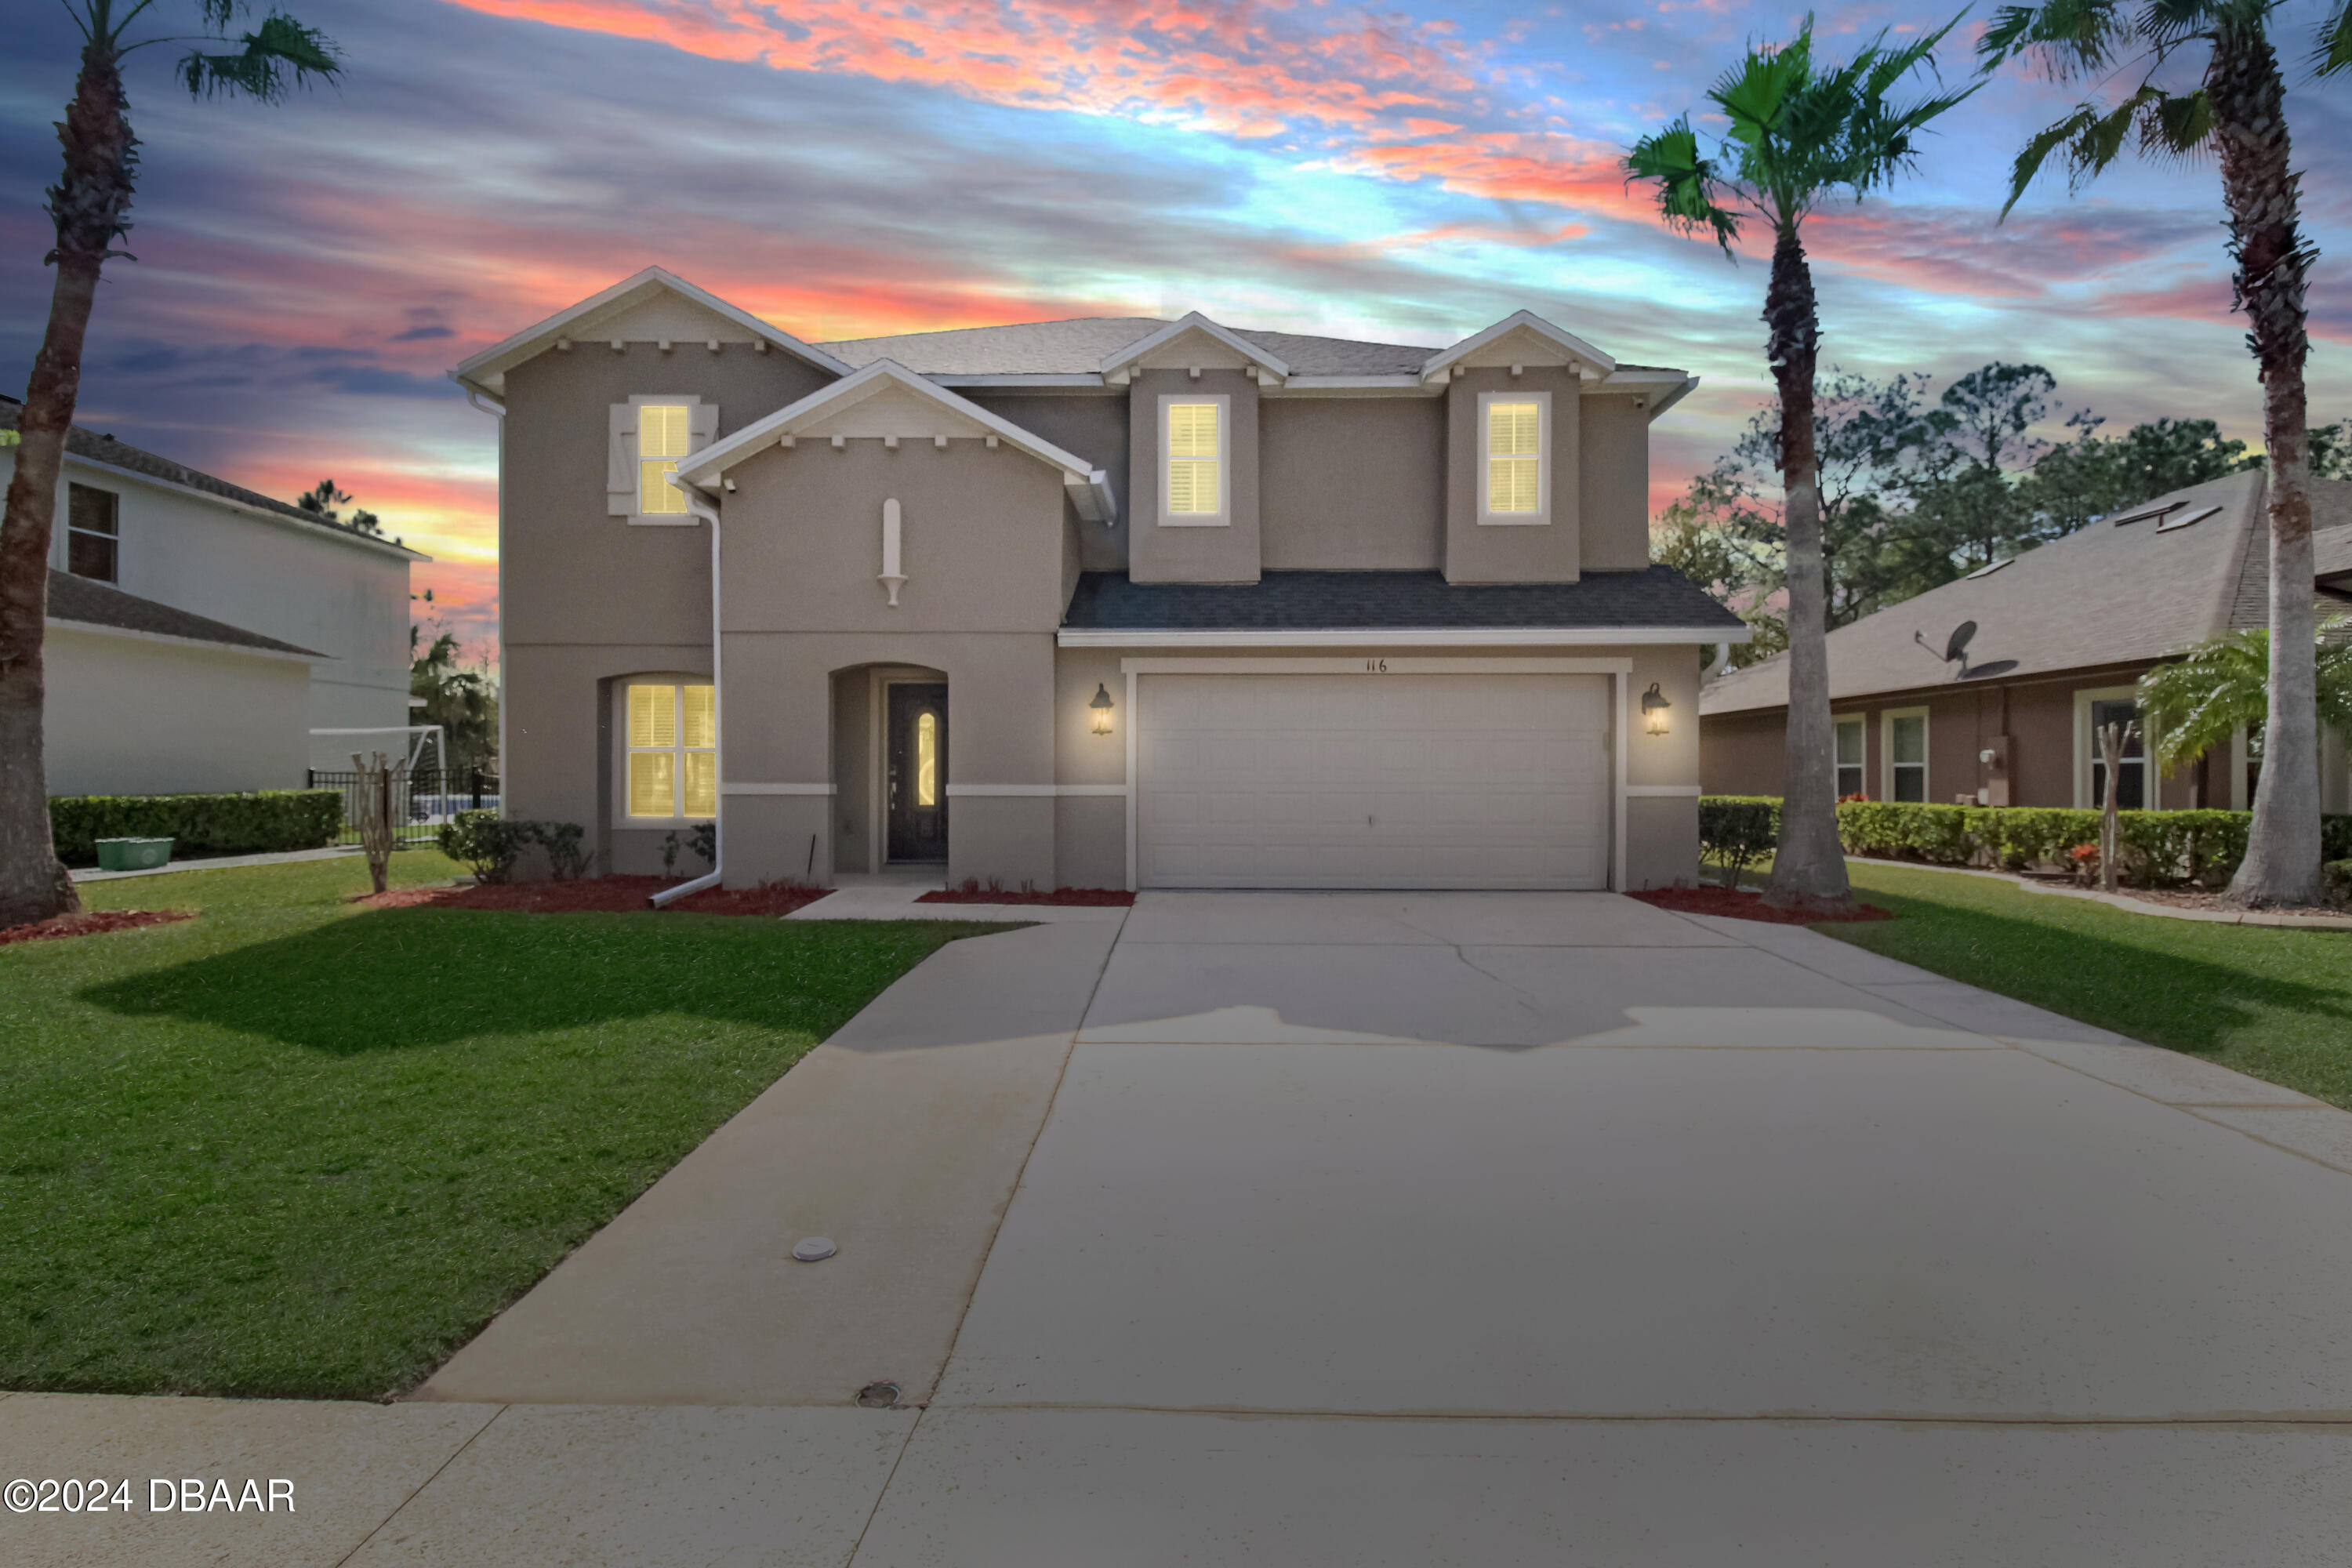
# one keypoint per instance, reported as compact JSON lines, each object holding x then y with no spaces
{"x":566,"y":858}
{"x":262,"y":822}
{"x":2338,"y":878}
{"x":486,"y":843}
{"x":1907,"y":831}
{"x":1735,"y":831}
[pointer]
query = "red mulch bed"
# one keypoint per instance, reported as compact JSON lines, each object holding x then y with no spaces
{"x":1090,"y":897}
{"x":91,"y":925}
{"x":1739,"y":906}
{"x":600,"y":895}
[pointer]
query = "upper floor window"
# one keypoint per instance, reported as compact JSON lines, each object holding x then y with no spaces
{"x":661,"y":442}
{"x":1512,"y":483}
{"x":672,"y":747}
{"x":93,"y":533}
{"x":647,"y":437}
{"x":1194,"y":459}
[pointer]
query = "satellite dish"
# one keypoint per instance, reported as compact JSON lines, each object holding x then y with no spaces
{"x":1956,"y":649}
{"x":1997,"y":667}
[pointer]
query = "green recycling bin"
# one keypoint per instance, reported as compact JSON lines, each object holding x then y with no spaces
{"x":134,"y":853}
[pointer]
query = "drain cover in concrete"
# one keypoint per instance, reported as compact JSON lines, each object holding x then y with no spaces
{"x":814,"y":1248}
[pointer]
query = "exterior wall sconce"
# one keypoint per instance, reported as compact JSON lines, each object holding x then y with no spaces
{"x":1101,"y":707}
{"x":1654,"y":708}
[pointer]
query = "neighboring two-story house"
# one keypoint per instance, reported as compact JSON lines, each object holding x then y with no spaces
{"x":1114,"y":603}
{"x":199,"y":632}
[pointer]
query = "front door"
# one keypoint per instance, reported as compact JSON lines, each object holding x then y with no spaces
{"x":915,"y":771}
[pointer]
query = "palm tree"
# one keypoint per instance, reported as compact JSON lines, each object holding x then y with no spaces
{"x":2238,"y":112}
{"x":1800,"y":134}
{"x":89,"y":204}
{"x":2222,"y":686}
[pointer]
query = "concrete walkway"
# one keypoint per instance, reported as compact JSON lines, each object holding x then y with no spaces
{"x":221,"y":863}
{"x":1380,"y":1230}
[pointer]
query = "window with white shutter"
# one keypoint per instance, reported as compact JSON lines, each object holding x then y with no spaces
{"x":1196,"y":480}
{"x":648,"y":435}
{"x":670,"y":742}
{"x":1512,"y":484}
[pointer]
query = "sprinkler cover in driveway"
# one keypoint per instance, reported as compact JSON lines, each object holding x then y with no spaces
{"x":814,"y":1248}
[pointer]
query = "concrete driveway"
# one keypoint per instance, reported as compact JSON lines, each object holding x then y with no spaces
{"x":1376,"y":1229}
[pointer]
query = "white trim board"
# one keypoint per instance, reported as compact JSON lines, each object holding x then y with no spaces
{"x":1033,"y":791}
{"x":1407,"y":636}
{"x":730,"y":787}
{"x":95,"y":628}
{"x":1662,"y":791}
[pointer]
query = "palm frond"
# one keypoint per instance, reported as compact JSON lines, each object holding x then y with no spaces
{"x":1687,"y":182}
{"x":2069,"y":38}
{"x":2177,"y":125}
{"x":1754,"y":94}
{"x":2090,"y":138}
{"x":2167,"y":24}
{"x":2200,"y":702}
{"x":280,"y":53}
{"x":2335,"y":51}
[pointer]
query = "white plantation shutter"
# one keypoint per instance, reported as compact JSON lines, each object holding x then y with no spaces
{"x":647,"y":438}
{"x":1513,"y":456}
{"x":673,"y":740}
{"x":661,"y":442}
{"x":1192,"y":458}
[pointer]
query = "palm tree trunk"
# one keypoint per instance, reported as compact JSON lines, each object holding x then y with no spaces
{"x":88,"y":203}
{"x":1809,"y":868}
{"x":2282,"y":863}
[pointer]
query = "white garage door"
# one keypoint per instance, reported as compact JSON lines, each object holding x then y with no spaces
{"x":1372,"y":781}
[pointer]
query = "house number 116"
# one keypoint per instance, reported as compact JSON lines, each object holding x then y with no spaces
{"x":1376,"y":666}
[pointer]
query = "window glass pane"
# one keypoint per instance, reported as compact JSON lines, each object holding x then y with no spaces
{"x":1910,"y":740}
{"x":1849,"y":781}
{"x":701,"y":784}
{"x":653,"y":715}
{"x":1191,"y":487}
{"x":927,"y":760}
{"x":702,"y":716}
{"x":90,"y":509}
{"x":656,"y":495}
{"x":653,"y":783}
{"x":2115,"y":712}
{"x":1192,"y":430}
{"x":661,"y":430}
{"x":1511,"y":484}
{"x":1849,"y":744}
{"x":1910,"y":782}
{"x":90,"y":555}
{"x":1511,"y":429}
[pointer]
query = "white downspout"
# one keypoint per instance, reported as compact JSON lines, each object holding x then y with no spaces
{"x":702,"y":509}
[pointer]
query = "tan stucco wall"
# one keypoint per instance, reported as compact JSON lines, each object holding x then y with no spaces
{"x":1352,"y":484}
{"x":1661,"y":843}
{"x":132,"y":716}
{"x":1090,"y":425}
{"x":1613,"y":526}
{"x":1514,"y":552}
{"x":1226,"y":553}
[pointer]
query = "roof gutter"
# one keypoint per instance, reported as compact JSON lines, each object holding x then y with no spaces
{"x":701,"y":507}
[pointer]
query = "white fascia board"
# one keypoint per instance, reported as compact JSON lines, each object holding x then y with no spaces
{"x":1406,"y":637}
{"x":1568,"y":342}
{"x":716,"y":459}
{"x":1361,"y":385}
{"x":1193,"y":321}
{"x":1660,"y":405}
{"x":486,"y":372}
{"x":94,"y":629}
{"x":246,"y":509}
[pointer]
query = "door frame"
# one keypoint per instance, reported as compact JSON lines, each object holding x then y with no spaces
{"x":1372,"y":666}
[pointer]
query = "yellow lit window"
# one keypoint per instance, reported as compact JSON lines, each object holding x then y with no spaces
{"x":1192,"y":458}
{"x":927,"y":760}
{"x":661,"y":442}
{"x":673,"y":757}
{"x":1513,"y":456}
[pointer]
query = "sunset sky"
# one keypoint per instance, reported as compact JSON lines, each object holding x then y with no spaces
{"x":307,"y":274}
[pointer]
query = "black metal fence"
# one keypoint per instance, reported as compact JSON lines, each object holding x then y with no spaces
{"x":422,"y":799}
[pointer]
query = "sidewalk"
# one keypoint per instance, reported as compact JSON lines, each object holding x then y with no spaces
{"x":221,"y":863}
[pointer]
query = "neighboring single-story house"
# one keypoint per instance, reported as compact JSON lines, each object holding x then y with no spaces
{"x":181,"y":539}
{"x":2062,"y":634}
{"x":1109,"y":602}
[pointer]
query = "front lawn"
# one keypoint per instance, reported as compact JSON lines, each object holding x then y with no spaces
{"x":2275,"y":1003}
{"x":297,"y":1147}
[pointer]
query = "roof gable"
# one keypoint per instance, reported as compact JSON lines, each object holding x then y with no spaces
{"x":1166,"y":347}
{"x":653,"y":306}
{"x":1521,"y":337}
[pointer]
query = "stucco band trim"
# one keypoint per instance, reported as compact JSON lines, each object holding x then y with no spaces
{"x":731,"y":788}
{"x":1674,"y":792}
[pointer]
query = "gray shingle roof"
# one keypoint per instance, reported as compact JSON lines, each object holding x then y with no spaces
{"x":1388,"y":601}
{"x":1079,"y":346}
{"x":75,"y":598}
{"x":82,"y":442}
{"x":2110,"y":595}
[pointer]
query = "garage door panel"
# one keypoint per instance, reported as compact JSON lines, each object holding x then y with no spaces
{"x":1357,"y":781}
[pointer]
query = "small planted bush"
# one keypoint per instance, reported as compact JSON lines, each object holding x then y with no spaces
{"x":488,"y":843}
{"x":1737,"y":831}
{"x":259,"y":823}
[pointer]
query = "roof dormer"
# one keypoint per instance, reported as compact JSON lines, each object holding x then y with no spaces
{"x":1517,"y":340}
{"x":1194,"y":343}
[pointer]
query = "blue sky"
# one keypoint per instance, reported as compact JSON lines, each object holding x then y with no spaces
{"x":308,"y":272}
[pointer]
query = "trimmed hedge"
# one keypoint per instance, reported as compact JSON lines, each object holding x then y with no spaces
{"x":2158,"y":848}
{"x":256,"y":824}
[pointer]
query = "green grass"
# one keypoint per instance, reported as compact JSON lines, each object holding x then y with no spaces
{"x":2272,"y":1002}
{"x":297,"y":1148}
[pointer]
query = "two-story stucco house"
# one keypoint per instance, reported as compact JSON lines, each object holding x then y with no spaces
{"x":1115,"y":602}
